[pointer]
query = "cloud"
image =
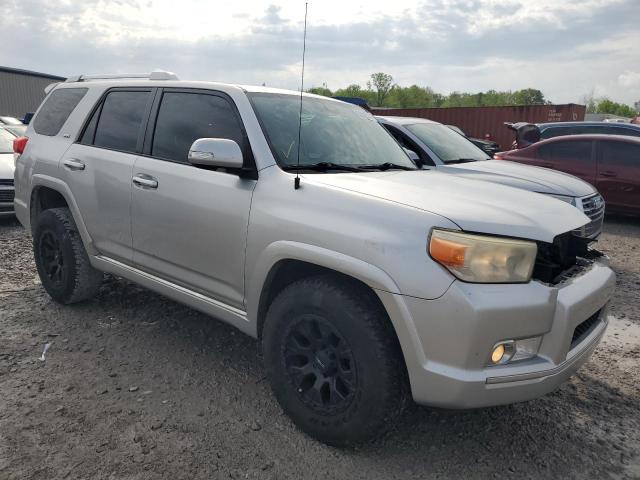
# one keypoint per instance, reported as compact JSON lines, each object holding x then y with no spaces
{"x":629,"y":79}
{"x":565,"y":48}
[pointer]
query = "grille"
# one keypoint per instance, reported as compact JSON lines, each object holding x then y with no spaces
{"x":553,"y":259}
{"x":6,"y":182}
{"x":6,"y":196}
{"x":593,"y":208}
{"x":585,"y":328}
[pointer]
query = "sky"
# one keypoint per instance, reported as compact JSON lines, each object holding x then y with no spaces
{"x":566,"y":48}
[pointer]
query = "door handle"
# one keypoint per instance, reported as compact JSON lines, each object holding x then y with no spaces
{"x":608,"y":174}
{"x":73,"y":164}
{"x":145,"y":181}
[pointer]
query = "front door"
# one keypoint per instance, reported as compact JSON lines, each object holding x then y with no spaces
{"x":574,"y":156}
{"x":190,"y":224}
{"x":619,"y":174}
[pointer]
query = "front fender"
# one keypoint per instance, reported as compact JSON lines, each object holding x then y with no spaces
{"x":277,"y":251}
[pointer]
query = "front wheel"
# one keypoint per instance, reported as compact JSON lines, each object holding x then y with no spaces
{"x":61,"y":260}
{"x":333,"y":360}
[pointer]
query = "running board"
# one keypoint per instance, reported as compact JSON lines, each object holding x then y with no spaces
{"x":215,"y":308}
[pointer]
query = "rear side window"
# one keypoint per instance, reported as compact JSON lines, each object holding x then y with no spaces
{"x":566,"y":150}
{"x":117,"y":123}
{"x":56,"y":109}
{"x":620,"y":153}
{"x":185,"y":117}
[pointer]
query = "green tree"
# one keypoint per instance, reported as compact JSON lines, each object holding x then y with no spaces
{"x":604,"y":105}
{"x":528,"y":96}
{"x":382,"y":83}
{"x":324,"y":91}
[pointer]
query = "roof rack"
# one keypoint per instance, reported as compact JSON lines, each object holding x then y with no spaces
{"x":155,"y":75}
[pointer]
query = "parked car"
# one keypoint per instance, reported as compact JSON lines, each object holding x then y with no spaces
{"x":6,"y":171}
{"x":364,"y":278}
{"x":4,"y":120}
{"x":556,"y":129}
{"x":441,"y":148}
{"x":528,"y":133}
{"x":488,"y":146}
{"x":609,"y":162}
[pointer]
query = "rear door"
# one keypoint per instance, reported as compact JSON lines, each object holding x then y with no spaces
{"x":574,"y":156}
{"x":98,"y":168}
{"x":190,"y":224}
{"x":619,"y":174}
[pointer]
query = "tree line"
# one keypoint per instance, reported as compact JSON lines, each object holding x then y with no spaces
{"x":381,"y":91}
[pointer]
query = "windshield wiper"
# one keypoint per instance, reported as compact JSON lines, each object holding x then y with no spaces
{"x":462,"y":160}
{"x":386,"y":166}
{"x":323,"y":167}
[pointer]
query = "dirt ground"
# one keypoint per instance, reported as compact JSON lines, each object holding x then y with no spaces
{"x":135,"y":386}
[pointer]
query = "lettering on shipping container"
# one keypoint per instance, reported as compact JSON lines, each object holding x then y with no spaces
{"x":554,"y":116}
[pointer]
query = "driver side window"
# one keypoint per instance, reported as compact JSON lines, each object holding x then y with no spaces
{"x":185,"y":117}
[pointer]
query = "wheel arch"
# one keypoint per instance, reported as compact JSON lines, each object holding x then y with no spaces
{"x":49,"y":192}
{"x":285,"y":262}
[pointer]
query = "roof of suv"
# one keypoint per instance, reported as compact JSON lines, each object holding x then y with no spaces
{"x":142,"y":82}
{"x":588,"y":124}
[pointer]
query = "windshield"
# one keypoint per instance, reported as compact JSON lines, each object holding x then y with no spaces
{"x":448,"y":145}
{"x":6,"y":141}
{"x":332,"y":132}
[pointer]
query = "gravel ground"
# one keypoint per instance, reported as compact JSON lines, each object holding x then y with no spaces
{"x":135,"y":386}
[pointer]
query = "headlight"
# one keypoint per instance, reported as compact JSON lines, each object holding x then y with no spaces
{"x":483,"y":259}
{"x":564,"y":198}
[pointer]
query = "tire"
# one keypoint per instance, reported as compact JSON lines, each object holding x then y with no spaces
{"x":61,"y":260}
{"x":333,"y":360}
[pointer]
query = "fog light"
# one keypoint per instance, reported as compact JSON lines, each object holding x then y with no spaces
{"x":513,"y":350}
{"x":498,"y":353}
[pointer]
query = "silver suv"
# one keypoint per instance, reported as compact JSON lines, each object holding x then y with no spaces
{"x":365,"y":280}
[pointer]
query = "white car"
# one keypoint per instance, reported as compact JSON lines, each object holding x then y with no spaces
{"x":437,"y":146}
{"x":7,"y":167}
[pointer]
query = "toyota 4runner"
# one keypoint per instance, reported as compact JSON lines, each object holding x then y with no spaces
{"x":300,"y":221}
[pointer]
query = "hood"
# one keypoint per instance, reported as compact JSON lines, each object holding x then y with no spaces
{"x":6,"y":165}
{"x":474,"y":206}
{"x":526,"y":177}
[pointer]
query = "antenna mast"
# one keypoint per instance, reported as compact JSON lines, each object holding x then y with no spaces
{"x":296,"y":182}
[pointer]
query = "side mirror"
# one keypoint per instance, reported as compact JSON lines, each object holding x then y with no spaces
{"x":215,"y":152}
{"x":412,"y":155}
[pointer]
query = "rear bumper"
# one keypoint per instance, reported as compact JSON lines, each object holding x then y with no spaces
{"x":447,"y":362}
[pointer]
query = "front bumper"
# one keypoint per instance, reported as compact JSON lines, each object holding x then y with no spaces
{"x":7,"y":194}
{"x":454,"y":334}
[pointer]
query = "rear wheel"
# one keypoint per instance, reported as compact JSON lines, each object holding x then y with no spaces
{"x":61,"y":260}
{"x":333,"y":360}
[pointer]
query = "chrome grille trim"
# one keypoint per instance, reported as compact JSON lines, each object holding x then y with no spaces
{"x":593,"y":207}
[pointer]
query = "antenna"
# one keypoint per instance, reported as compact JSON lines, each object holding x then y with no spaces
{"x":296,"y":182}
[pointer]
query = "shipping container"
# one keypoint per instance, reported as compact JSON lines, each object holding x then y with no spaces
{"x":488,"y":122}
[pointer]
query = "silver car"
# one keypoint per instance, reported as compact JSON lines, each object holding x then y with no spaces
{"x":366,"y":281}
{"x":439,"y":146}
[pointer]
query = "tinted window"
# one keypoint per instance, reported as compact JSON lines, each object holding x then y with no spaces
{"x":448,"y":145}
{"x":575,"y":150}
{"x":185,"y":117}
{"x":120,"y":120}
{"x":56,"y":109}
{"x":620,"y":153}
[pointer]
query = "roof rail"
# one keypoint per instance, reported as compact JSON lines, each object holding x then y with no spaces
{"x":155,"y":75}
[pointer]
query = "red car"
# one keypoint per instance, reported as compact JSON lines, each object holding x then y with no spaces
{"x":611,"y":163}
